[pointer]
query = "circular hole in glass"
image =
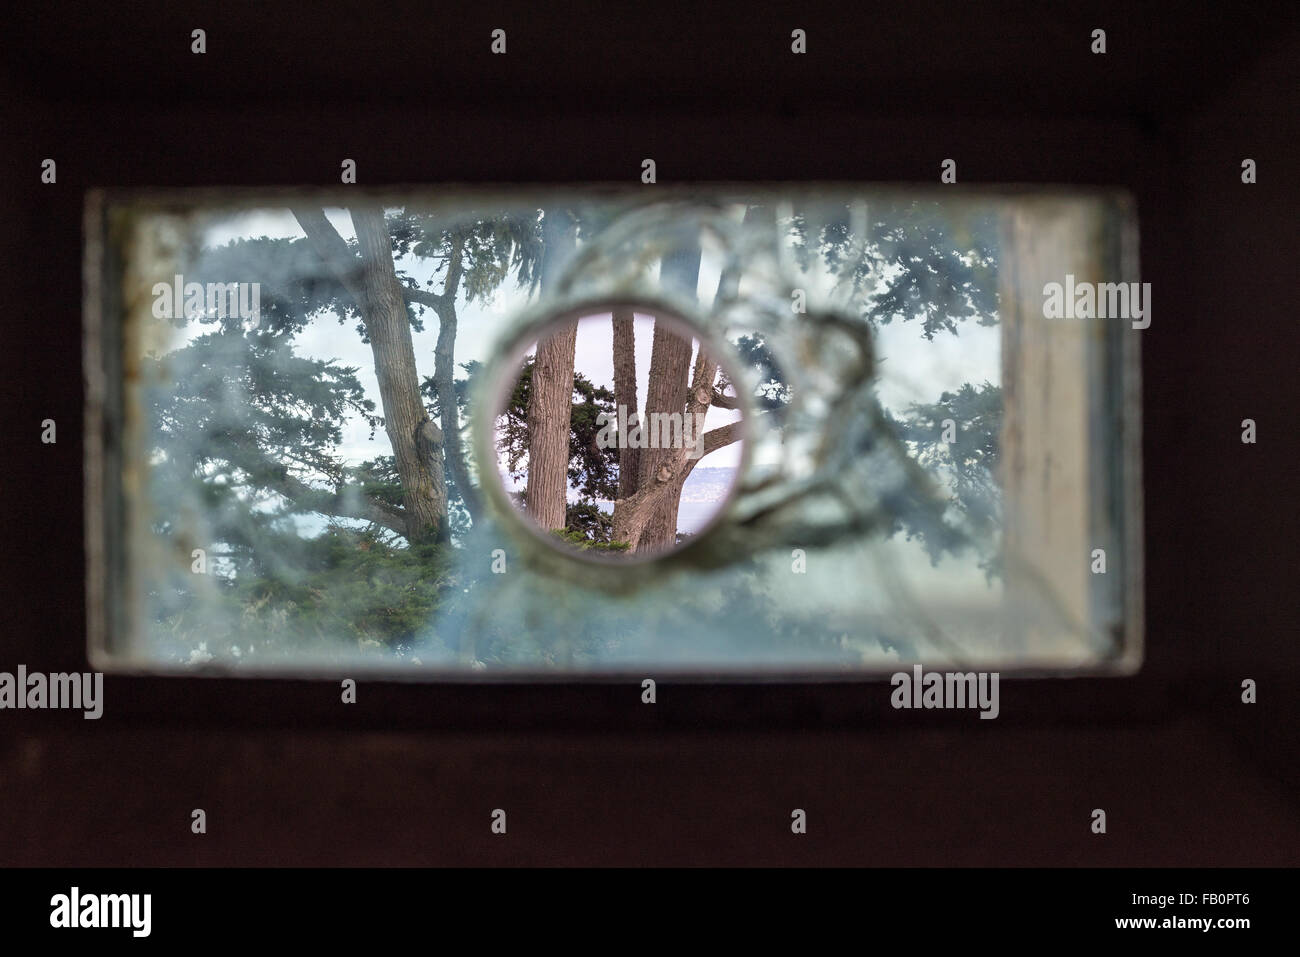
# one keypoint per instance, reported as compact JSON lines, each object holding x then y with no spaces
{"x":618,"y":434}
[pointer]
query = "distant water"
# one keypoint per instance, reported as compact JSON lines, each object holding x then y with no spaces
{"x":693,"y":516}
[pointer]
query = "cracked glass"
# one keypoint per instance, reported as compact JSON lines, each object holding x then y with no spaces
{"x":810,"y":431}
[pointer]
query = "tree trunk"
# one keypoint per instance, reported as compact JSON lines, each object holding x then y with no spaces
{"x":444,"y":374}
{"x":550,"y":404}
{"x":416,"y":441}
{"x":549,"y":409}
{"x":625,"y":397}
{"x":670,"y":363}
{"x":647,"y":515}
{"x":649,"y":518}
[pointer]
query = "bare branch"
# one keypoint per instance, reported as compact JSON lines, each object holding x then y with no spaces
{"x":722,"y":436}
{"x":336,"y":504}
{"x":423,"y":297}
{"x":439,"y":301}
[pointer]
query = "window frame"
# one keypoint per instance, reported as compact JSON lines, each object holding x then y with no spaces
{"x":1117,"y":407}
{"x":1081,"y":151}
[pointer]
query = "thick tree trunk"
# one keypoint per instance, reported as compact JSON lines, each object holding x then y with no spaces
{"x":416,"y":441}
{"x":647,"y":515}
{"x":670,"y":363}
{"x":648,"y":519}
{"x":549,"y":409}
{"x":550,"y":404}
{"x":629,"y":458}
{"x":670,"y":359}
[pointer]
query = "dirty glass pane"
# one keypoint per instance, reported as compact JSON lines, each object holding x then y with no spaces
{"x":326,"y":429}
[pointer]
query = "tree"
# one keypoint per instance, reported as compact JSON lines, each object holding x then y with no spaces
{"x":592,"y":472}
{"x":246,"y":422}
{"x":323,"y":274}
{"x":246,"y":436}
{"x":967,"y":466}
{"x":372,"y":282}
{"x":623,"y":323}
{"x":647,"y":518}
{"x":911,"y":263}
{"x":920,"y":262}
{"x":249,"y":436}
{"x":550,"y":397}
{"x":481,"y":250}
{"x":595,"y":473}
{"x":646,"y":513}
{"x":915,"y":260}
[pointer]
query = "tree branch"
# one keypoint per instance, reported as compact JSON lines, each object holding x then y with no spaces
{"x":333,"y":251}
{"x":423,"y":297}
{"x":721,"y":437}
{"x":335,"y":503}
{"x":450,"y":283}
{"x":720,"y":401}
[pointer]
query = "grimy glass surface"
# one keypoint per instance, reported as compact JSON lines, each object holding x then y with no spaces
{"x":421,"y":431}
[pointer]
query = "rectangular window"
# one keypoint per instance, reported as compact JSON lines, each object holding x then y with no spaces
{"x":780,"y":431}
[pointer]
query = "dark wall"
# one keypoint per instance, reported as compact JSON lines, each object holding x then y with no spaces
{"x":1187,"y":774}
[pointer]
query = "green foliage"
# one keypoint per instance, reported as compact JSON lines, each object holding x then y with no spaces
{"x":295,"y":285}
{"x":967,"y":466}
{"x":772,"y":393}
{"x":245,"y":438}
{"x":593,"y":471}
{"x":245,"y":433}
{"x":918,"y":261}
{"x":344,"y":584}
{"x":972,"y":456}
{"x":492,"y":245}
{"x":352,"y":583}
{"x":579,"y":540}
{"x":587,"y":520}
{"x":379,"y":481}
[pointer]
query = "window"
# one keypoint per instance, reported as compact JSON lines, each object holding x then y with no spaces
{"x":871,"y":426}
